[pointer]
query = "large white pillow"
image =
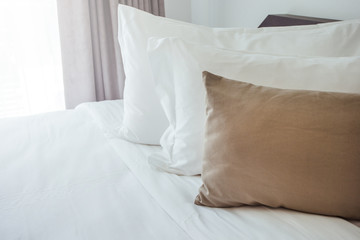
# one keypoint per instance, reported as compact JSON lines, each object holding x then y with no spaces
{"x":144,"y":119}
{"x":177,"y":69}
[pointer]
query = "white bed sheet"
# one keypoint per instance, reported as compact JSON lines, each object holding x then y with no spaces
{"x":176,"y":194}
{"x":60,"y":179}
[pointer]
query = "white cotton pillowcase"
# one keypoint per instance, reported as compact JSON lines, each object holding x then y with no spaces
{"x":178,"y":65}
{"x":144,"y":119}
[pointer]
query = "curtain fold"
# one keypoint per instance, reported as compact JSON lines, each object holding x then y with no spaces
{"x":155,"y":7}
{"x":91,"y":55}
{"x":88,"y":34}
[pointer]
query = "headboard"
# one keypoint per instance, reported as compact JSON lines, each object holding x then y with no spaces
{"x":279,"y":20}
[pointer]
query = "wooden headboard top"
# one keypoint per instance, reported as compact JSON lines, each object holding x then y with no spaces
{"x":281,"y":20}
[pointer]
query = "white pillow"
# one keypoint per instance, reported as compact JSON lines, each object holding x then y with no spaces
{"x":144,"y":120}
{"x":178,"y":66}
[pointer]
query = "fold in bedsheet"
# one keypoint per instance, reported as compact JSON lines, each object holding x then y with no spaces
{"x":176,"y":194}
{"x":60,"y":179}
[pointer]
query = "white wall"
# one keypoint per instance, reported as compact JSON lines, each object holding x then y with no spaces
{"x":178,"y":9}
{"x":250,"y":13}
{"x":201,"y":12}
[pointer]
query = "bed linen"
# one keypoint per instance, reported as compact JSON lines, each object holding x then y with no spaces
{"x":176,"y":195}
{"x":78,"y":180}
{"x":145,"y":121}
{"x":177,"y":69}
{"x":279,"y":147}
{"x":60,"y":179}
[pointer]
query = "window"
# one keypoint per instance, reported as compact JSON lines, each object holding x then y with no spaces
{"x":30,"y":59}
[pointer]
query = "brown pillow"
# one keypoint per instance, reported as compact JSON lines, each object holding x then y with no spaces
{"x":281,"y":148}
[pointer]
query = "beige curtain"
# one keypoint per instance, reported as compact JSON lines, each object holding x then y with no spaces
{"x":91,"y":55}
{"x":152,"y":6}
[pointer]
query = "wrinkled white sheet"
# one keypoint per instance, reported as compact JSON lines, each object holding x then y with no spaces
{"x":176,"y":194}
{"x":67,"y":175}
{"x":60,"y":179}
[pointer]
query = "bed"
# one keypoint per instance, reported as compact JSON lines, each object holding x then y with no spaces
{"x":71,"y":175}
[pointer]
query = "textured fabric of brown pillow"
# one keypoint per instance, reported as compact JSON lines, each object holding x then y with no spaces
{"x":281,"y":148}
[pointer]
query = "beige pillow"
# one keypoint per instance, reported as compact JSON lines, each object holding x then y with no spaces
{"x":296,"y":149}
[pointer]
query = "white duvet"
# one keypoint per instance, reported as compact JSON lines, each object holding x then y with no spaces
{"x":60,"y":179}
{"x":67,"y":175}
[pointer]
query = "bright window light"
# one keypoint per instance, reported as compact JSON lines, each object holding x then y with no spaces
{"x":30,"y":59}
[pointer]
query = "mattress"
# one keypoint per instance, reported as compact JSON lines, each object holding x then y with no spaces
{"x":68,"y":175}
